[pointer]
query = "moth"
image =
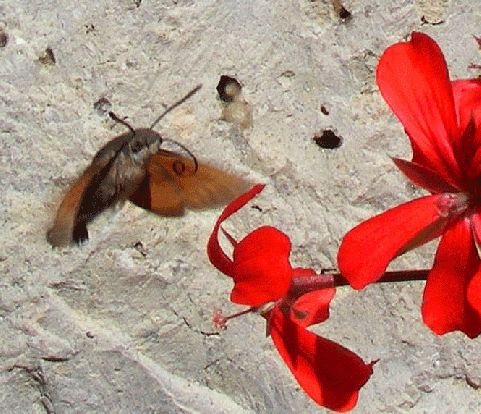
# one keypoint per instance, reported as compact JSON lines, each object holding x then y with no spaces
{"x":135,"y":167}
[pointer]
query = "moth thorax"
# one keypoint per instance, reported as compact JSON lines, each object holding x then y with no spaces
{"x":144,"y":144}
{"x":140,"y":152}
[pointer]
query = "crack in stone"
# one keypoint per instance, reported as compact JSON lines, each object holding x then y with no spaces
{"x":36,"y":374}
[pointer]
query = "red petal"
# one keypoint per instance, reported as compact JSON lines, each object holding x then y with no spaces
{"x":367,"y":249}
{"x":467,"y":100}
{"x":445,"y":306}
{"x":216,"y":255}
{"x":476,"y":225}
{"x":474,"y":170}
{"x":313,"y":307}
{"x":468,"y":155}
{"x":474,"y":287}
{"x":232,"y":241}
{"x":329,"y":373}
{"x":413,"y":79}
{"x":474,"y":292}
{"x":262,"y":272}
{"x":424,"y":177}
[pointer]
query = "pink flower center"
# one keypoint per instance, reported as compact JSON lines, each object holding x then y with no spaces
{"x":452,"y":204}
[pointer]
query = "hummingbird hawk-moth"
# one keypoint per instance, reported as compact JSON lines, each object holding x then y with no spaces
{"x":135,"y":167}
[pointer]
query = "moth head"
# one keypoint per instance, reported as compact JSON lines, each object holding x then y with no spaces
{"x":139,"y":142}
{"x":144,"y":140}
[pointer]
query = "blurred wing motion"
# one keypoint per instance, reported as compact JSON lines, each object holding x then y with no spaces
{"x":67,"y":226}
{"x":166,"y":184}
{"x":131,"y":167}
{"x":173,"y":184}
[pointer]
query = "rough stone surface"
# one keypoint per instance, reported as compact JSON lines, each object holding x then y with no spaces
{"x":118,"y":326}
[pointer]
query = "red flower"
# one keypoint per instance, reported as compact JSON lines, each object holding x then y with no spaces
{"x":329,"y":373}
{"x":443,"y":122}
{"x":260,"y":266}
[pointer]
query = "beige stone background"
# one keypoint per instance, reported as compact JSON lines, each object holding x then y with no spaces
{"x":118,"y":326}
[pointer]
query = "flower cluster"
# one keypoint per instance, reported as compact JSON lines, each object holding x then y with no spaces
{"x":443,"y":121}
{"x":329,"y":373}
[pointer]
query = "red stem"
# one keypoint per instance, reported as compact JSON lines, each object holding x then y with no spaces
{"x":302,"y":285}
{"x":388,"y":277}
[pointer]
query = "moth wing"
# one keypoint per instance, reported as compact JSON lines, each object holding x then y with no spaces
{"x":173,"y":184}
{"x":158,"y":192}
{"x":210,"y":187}
{"x":65,"y":224}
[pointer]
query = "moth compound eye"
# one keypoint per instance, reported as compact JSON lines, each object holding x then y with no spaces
{"x":136,"y":147}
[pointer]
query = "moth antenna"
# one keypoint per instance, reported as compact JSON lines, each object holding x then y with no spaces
{"x":121,"y":121}
{"x":192,"y":92}
{"x":188,"y":151}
